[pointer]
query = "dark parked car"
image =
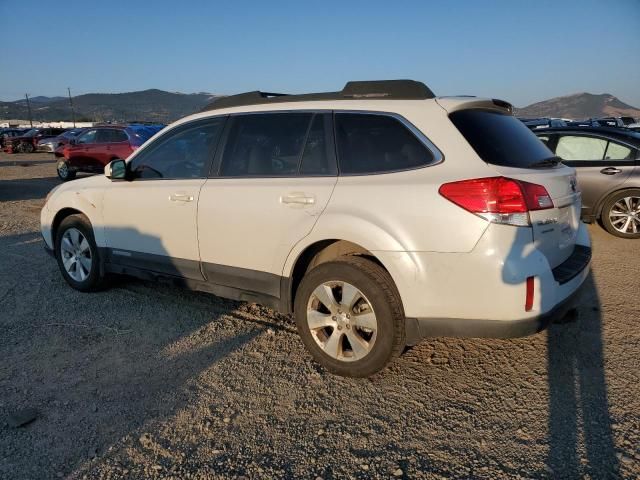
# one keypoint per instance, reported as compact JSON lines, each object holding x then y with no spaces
{"x":7,"y":133}
{"x":96,"y":147}
{"x":607,"y":161}
{"x":27,"y":142}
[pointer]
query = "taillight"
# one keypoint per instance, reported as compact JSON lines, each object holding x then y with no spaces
{"x":498,"y":199}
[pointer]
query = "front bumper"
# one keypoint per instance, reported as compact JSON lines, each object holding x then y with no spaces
{"x":46,"y":147}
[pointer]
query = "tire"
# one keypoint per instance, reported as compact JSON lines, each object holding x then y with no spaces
{"x":83,"y":275}
{"x":621,"y":214}
{"x":26,"y":148}
{"x":64,"y":171}
{"x":376,"y":298}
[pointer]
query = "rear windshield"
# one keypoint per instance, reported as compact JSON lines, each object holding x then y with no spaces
{"x":500,"y":138}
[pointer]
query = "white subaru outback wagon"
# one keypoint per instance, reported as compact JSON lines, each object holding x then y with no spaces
{"x":377,"y":215}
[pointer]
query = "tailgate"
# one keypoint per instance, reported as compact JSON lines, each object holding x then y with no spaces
{"x":554,"y":229}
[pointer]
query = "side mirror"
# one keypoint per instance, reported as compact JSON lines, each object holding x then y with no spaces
{"x":73,"y":141}
{"x":116,"y":170}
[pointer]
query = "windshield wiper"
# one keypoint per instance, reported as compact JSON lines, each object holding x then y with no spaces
{"x":547,"y":162}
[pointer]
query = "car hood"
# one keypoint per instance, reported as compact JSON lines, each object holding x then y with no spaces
{"x":87,"y":182}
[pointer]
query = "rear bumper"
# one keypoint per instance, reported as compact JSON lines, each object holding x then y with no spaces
{"x":419,"y":328}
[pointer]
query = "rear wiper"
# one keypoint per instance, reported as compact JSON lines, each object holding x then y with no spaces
{"x":547,"y":162}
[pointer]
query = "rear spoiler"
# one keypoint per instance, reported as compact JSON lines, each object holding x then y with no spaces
{"x":453,"y":104}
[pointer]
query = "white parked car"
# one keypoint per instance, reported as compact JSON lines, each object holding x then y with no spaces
{"x":377,"y":215}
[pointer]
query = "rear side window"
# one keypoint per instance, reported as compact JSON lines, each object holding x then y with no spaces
{"x":615,"y":151}
{"x":500,"y":138}
{"x":369,"y":143}
{"x":265,"y":145}
{"x":111,"y":135}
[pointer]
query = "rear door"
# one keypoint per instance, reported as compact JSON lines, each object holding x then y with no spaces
{"x":602,"y":164}
{"x":275,"y":176}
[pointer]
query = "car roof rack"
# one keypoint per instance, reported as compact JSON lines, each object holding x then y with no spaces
{"x":354,"y":90}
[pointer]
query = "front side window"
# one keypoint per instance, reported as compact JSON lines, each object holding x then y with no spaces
{"x":184,"y":153}
{"x":265,"y":145}
{"x":370,"y":143}
{"x":580,"y":147}
{"x":88,"y":137}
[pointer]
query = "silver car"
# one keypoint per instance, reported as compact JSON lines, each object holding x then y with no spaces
{"x":607,"y":161}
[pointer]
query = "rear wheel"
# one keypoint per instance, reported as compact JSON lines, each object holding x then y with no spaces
{"x":77,"y":254}
{"x":26,"y":148}
{"x":621,"y":214}
{"x":64,"y":172}
{"x":350,"y":317}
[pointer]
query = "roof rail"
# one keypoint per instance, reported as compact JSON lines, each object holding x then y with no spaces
{"x":361,"y":90}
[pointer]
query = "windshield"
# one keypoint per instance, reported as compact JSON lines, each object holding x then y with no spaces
{"x":500,"y":138}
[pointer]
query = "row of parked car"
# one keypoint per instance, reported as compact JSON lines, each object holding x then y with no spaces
{"x":621,"y":122}
{"x":80,"y":149}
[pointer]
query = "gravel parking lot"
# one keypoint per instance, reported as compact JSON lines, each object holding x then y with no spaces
{"x":149,"y":381}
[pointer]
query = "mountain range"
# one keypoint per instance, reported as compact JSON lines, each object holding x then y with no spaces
{"x":580,"y":106}
{"x":146,"y":105}
{"x":160,"y":106}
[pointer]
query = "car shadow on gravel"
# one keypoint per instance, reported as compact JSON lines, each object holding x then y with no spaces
{"x":26,"y":189}
{"x":580,"y":439}
{"x":25,"y":163}
{"x":107,"y":363}
{"x":578,"y":401}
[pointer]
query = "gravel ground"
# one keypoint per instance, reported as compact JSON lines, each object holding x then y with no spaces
{"x":148,"y":381}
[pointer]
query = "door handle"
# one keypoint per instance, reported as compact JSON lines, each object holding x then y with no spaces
{"x":298,"y":198}
{"x":610,"y":170}
{"x":181,"y":197}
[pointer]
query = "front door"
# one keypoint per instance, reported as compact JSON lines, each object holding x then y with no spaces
{"x":79,"y":154}
{"x":150,"y":220}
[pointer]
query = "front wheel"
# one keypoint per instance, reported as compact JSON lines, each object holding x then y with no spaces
{"x":621,"y":214}
{"x":26,"y":148}
{"x":77,"y":254}
{"x":64,"y":172}
{"x":350,"y":316}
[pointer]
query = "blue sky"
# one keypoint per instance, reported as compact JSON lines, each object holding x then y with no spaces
{"x":522,"y":51}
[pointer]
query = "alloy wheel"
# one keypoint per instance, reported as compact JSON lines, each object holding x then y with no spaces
{"x":625,"y":215}
{"x":75,"y":252}
{"x":63,"y":169}
{"x":342,"y":321}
